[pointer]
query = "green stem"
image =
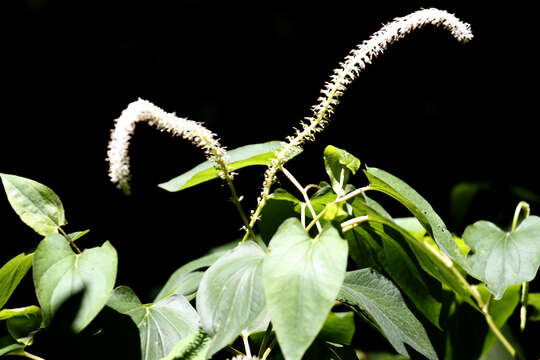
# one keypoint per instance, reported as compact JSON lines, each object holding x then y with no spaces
{"x":524,"y":302}
{"x":526,"y":212}
{"x":269,"y":349}
{"x":245,"y":339}
{"x":25,"y":354}
{"x":304,"y":194}
{"x":71,"y":242}
{"x":265,"y":340}
{"x":236,"y":200}
{"x":233,"y":351}
{"x":339,"y":200}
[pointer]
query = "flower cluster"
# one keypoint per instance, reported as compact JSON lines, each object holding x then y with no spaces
{"x":145,"y":111}
{"x":348,"y":71}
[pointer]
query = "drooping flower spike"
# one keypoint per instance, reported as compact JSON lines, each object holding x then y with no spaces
{"x":348,"y":71}
{"x":145,"y":111}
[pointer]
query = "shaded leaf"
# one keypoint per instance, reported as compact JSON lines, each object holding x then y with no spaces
{"x":371,"y":292}
{"x":501,"y":258}
{"x":59,"y":273}
{"x":8,"y":345}
{"x":230,"y":295}
{"x":338,"y":328}
{"x":22,"y":323}
{"x":185,"y":281}
{"x":339,"y":164}
{"x":301,"y":279}
{"x":162,"y":325}
{"x":534,"y":302}
{"x":248,"y":155}
{"x":382,"y":181}
{"x":11,"y":275}
{"x":37,"y":205}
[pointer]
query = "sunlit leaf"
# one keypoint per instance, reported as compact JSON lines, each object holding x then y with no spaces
{"x":37,"y":205}
{"x":59,"y":273}
{"x":162,"y":325}
{"x":230,"y":295}
{"x":302,"y":277}
{"x":382,"y":181}
{"x":371,"y":292}
{"x":248,"y":155}
{"x":11,"y":275}
{"x":501,"y":258}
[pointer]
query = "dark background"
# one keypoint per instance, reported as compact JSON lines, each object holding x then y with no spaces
{"x":430,"y":110}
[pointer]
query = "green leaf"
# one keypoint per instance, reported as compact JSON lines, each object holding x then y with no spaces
{"x":193,"y":347}
{"x":185,"y":281}
{"x":22,"y":323}
{"x":37,"y":205}
{"x":278,"y":208}
{"x":161,"y":324}
{"x":412,"y":225}
{"x":230,"y":295}
{"x":11,"y":275}
{"x":501,"y":258}
{"x":422,"y":250}
{"x":8,"y":345}
{"x":534,"y":302}
{"x":384,"y":182}
{"x":60,"y":273}
{"x":301,"y":279}
{"x":248,"y":155}
{"x":461,"y":198}
{"x":78,"y":234}
{"x":371,"y":292}
{"x":338,"y":328}
{"x":339,"y":164}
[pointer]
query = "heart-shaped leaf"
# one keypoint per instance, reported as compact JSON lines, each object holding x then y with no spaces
{"x":371,"y":292}
{"x":11,"y":275}
{"x":302,"y":277}
{"x":248,"y":155}
{"x":60,"y":273}
{"x":185,"y":281}
{"x":37,"y":205}
{"x":501,"y":258}
{"x":161,"y":324}
{"x":339,"y":164}
{"x":230,"y":295}
{"x":382,"y":181}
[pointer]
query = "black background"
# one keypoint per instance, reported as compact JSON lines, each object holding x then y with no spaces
{"x":430,"y":110}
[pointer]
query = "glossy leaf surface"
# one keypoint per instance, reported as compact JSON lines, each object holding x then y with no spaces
{"x":59,"y":273}
{"x":248,"y":155}
{"x":11,"y":275}
{"x":382,"y":181}
{"x":501,"y":258}
{"x":230,"y":295}
{"x":162,"y":325}
{"x":371,"y":292}
{"x":302,"y":277}
{"x":37,"y":205}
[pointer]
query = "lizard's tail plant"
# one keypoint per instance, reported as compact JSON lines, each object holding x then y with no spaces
{"x":348,"y":71}
{"x":290,"y":287}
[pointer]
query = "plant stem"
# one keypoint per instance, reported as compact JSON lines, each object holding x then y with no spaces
{"x":524,"y":302}
{"x":337,"y":201}
{"x":25,"y":354}
{"x":352,"y":223}
{"x":236,"y":200}
{"x":269,"y":349}
{"x":265,"y":340}
{"x":245,"y":339}
{"x":526,"y":212}
{"x":233,"y":351}
{"x":304,"y":194}
{"x":71,"y":242}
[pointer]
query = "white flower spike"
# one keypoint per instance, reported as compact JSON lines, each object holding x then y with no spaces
{"x":348,"y":71}
{"x":145,"y":111}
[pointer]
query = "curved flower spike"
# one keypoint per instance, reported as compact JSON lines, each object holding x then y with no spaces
{"x":348,"y":71}
{"x":145,"y":111}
